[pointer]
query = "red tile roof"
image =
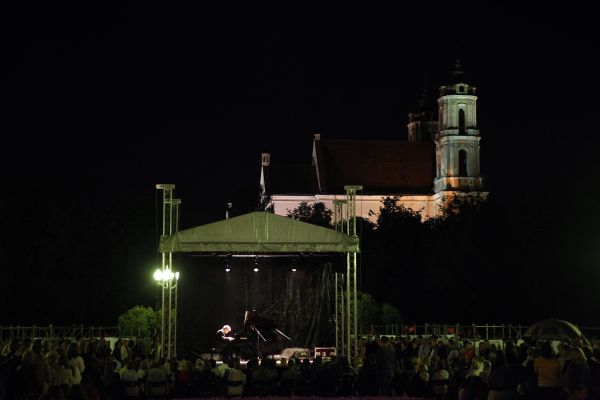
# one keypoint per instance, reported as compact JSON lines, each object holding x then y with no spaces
{"x":380,"y":166}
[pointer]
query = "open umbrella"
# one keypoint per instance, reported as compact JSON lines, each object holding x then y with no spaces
{"x":554,"y":329}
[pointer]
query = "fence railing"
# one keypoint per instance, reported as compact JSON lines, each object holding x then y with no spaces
{"x":74,"y":331}
{"x":467,"y":331}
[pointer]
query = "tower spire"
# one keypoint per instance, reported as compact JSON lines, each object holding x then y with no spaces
{"x":458,"y":72}
{"x":423,"y":101}
{"x":422,"y":124}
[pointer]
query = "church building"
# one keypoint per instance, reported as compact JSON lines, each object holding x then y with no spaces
{"x":436,"y":165}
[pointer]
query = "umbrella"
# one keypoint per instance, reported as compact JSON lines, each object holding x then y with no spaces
{"x":554,"y":329}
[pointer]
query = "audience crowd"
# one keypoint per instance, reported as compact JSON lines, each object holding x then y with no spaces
{"x":424,"y":367}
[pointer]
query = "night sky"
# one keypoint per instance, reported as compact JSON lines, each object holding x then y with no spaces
{"x":100,"y":103}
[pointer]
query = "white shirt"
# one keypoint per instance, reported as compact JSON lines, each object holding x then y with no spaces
{"x":78,"y":368}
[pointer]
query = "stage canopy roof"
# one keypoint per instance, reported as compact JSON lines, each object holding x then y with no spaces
{"x":259,"y":232}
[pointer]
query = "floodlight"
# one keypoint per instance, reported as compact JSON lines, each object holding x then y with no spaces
{"x":158,"y":275}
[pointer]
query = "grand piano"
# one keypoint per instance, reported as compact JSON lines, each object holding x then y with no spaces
{"x":258,"y":335}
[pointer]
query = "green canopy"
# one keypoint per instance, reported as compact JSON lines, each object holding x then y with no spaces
{"x":259,"y":232}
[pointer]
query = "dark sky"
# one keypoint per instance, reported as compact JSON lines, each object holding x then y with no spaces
{"x":100,"y":103}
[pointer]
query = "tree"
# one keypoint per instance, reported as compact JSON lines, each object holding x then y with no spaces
{"x":369,"y":310}
{"x":316,"y":214}
{"x":139,"y":319}
{"x":390,"y":314}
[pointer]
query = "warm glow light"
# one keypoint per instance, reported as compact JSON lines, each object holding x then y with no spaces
{"x":165,"y":276}
{"x":158,"y":275}
{"x":256,"y":269}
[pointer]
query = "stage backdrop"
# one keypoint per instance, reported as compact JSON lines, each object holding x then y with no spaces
{"x":300,"y":302}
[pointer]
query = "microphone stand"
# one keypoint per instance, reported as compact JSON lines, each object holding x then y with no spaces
{"x":260,"y":336}
{"x":283,"y":334}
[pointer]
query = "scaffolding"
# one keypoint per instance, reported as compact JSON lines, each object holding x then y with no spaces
{"x":340,"y":310}
{"x":168,"y":280}
{"x":351,"y":275}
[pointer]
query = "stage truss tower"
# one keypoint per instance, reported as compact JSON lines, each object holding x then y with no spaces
{"x":340,"y":310}
{"x":167,"y":346}
{"x":351,"y":274}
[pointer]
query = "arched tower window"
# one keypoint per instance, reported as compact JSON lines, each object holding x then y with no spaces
{"x":461,"y":120}
{"x":462,"y":163}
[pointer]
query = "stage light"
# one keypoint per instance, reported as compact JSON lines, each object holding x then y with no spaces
{"x":255,"y":269}
{"x":227,"y":269}
{"x":293,"y":269}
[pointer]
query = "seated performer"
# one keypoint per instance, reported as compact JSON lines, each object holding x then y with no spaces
{"x":224,"y":341}
{"x":223,"y":332}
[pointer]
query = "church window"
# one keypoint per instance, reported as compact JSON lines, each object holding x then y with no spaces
{"x":462,"y":163}
{"x":461,"y":120}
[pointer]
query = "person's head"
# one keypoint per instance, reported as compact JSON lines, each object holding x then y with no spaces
{"x":511,"y":356}
{"x":546,"y":350}
{"x":27,"y":357}
{"x":199,"y":364}
{"x":441,"y":365}
{"x":52,"y":358}
{"x":581,"y":392}
{"x":500,"y":359}
{"x":55,"y":393}
{"x":563,"y":349}
{"x":144,"y":364}
{"x":477,"y":364}
{"x":72,"y":350}
{"x":37,"y":346}
{"x":184,"y":365}
{"x":226,"y":329}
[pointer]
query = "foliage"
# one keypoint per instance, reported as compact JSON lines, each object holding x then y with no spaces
{"x":370,"y":310}
{"x":390,"y":314}
{"x":372,"y":313}
{"x":316,"y":214}
{"x":139,"y":319}
{"x":474,"y":263}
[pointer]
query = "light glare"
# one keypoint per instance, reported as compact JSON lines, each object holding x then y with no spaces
{"x":158,"y":275}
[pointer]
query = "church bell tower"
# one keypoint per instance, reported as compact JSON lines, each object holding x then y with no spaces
{"x":457,"y":141}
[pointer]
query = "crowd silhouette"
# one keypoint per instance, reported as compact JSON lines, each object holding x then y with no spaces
{"x":419,"y":367}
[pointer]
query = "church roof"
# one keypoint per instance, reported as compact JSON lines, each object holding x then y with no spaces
{"x":380,"y":166}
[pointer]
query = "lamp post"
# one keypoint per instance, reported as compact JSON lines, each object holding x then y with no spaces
{"x":168,"y":281}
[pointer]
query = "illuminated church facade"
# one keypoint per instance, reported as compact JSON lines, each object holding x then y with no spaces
{"x":437,"y":164}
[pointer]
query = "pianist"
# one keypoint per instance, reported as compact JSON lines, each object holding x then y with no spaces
{"x":224,"y":341}
{"x":222,"y":334}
